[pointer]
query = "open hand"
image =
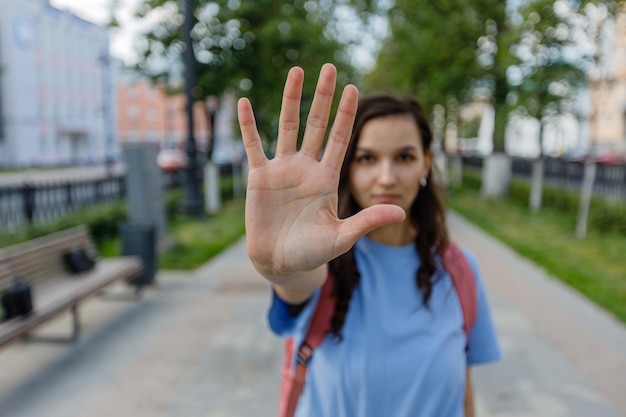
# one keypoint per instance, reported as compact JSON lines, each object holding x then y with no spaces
{"x":291,"y":204}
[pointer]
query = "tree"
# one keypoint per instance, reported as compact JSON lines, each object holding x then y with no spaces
{"x":597,"y":17}
{"x":596,"y":25}
{"x":245,"y":46}
{"x":546,"y":70}
{"x":442,"y":50}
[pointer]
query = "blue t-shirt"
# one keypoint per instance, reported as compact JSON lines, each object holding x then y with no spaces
{"x":398,"y":357}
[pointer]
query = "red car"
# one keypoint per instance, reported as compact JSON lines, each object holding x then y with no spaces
{"x":171,"y":159}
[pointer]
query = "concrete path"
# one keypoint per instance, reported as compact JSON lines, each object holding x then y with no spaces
{"x":197,"y":345}
{"x":563,"y":356}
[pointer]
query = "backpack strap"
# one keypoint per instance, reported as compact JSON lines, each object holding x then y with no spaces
{"x":319,"y":327}
{"x":455,"y":262}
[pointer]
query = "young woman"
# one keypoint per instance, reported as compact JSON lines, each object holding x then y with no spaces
{"x":369,"y":213}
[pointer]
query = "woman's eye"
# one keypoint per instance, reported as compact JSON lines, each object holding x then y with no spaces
{"x":363,"y":159}
{"x":406,"y":157}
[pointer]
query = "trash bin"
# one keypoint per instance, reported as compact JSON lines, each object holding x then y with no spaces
{"x":139,"y":239}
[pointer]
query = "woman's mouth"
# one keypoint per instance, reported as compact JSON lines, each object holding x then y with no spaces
{"x":385,"y":198}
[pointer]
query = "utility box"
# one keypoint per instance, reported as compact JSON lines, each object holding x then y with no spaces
{"x":144,"y":187}
{"x":139,"y":239}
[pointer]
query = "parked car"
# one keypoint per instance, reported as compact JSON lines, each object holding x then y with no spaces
{"x":600,"y":156}
{"x":171,"y":159}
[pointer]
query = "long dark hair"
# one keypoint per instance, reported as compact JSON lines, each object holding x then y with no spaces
{"x":427,"y":213}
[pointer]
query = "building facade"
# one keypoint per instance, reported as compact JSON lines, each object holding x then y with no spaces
{"x":607,"y":121}
{"x":56,"y":81}
{"x":145,"y":112}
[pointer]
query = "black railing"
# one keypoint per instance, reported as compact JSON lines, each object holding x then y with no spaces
{"x":45,"y":201}
{"x":610,"y":179}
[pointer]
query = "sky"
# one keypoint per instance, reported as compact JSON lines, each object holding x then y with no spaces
{"x":97,"y":11}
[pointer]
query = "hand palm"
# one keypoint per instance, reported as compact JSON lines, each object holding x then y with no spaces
{"x":291,"y":208}
{"x":291,"y":203}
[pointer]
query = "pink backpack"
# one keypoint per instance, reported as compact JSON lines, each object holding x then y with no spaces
{"x":292,"y":381}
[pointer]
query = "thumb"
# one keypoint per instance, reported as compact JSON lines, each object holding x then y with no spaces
{"x":365,"y":221}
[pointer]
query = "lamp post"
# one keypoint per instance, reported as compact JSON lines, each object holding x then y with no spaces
{"x":1,"y":117}
{"x":191,"y":203}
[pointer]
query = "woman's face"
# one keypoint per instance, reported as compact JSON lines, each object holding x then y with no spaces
{"x":388,"y":163}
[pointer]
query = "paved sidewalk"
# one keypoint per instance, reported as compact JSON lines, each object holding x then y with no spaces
{"x":563,"y":356}
{"x":197,"y":345}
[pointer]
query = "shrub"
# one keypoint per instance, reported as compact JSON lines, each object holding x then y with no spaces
{"x":605,"y":215}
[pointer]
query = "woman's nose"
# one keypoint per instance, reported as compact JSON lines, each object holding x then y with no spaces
{"x":386,"y":173}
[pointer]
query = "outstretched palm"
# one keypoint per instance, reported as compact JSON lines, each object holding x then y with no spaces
{"x":291,"y":204}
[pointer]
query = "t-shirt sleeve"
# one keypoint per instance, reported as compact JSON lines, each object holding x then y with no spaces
{"x":483,"y":346}
{"x":282,"y":322}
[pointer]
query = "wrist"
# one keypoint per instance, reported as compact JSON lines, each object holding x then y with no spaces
{"x":295,"y":280}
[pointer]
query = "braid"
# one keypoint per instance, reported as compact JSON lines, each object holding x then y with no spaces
{"x":429,"y":220}
{"x":347,"y":277}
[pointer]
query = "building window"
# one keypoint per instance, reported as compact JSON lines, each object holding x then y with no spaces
{"x":132,"y":112}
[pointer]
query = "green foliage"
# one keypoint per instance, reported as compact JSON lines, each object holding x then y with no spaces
{"x":101,"y":221}
{"x":469,"y":128}
{"x":471,"y":179}
{"x":543,"y":80}
{"x":172,"y":200}
{"x":447,"y":49}
{"x":594,"y":265}
{"x":197,"y":241}
{"x":246,"y":46}
{"x":606,"y":216}
{"x":515,"y":53}
{"x":431,"y":51}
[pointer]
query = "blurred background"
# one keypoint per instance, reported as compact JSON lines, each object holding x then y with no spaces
{"x":526,"y":98}
{"x":81,"y":79}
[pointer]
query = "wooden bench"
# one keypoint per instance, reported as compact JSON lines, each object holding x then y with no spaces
{"x":55,"y":290}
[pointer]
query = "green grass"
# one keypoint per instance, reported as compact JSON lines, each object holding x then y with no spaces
{"x":594,"y":266}
{"x":197,"y":241}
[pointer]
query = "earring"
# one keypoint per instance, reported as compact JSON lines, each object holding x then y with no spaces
{"x":423,"y":182}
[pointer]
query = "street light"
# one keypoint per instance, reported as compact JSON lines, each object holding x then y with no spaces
{"x":191,"y":203}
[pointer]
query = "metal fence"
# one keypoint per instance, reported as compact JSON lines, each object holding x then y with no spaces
{"x":610,"y":180}
{"x":44,"y":201}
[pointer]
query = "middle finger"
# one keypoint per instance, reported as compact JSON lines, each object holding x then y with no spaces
{"x":289,"y":120}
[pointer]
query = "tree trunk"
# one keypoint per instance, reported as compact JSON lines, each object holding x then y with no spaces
{"x":210,"y":116}
{"x":496,"y":175}
{"x":536,"y":186}
{"x":585,"y":198}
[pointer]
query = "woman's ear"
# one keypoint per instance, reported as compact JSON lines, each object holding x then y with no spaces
{"x":428,"y":160}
